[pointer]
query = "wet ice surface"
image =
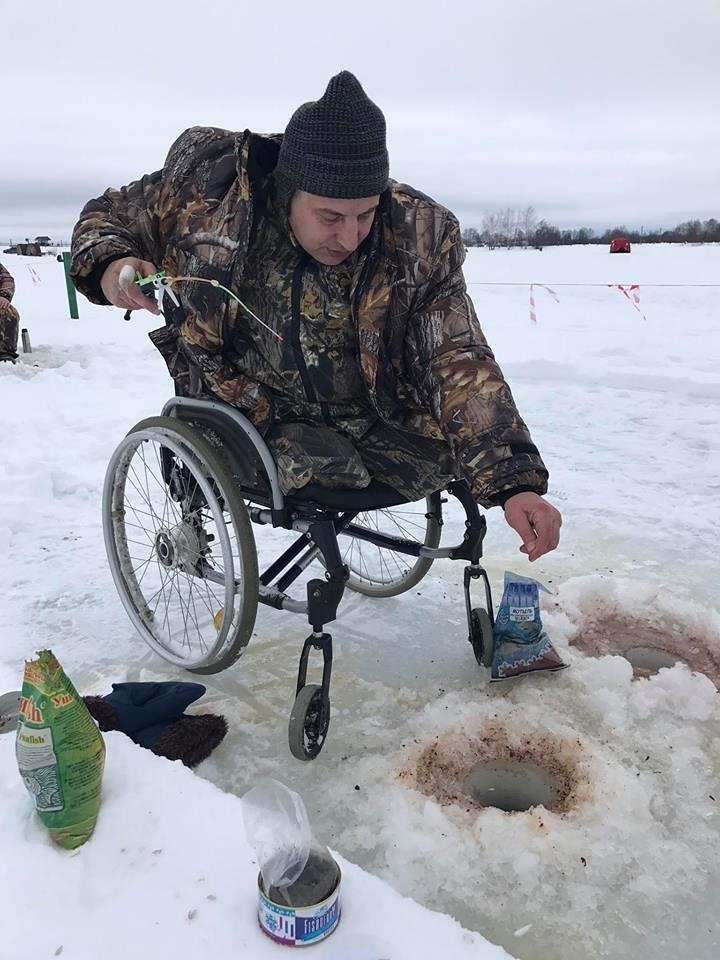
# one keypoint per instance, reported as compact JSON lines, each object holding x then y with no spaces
{"x":627,"y":414}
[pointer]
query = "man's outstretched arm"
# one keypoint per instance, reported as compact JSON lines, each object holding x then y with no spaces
{"x":466,"y":391}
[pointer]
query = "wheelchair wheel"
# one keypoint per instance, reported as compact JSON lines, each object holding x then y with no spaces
{"x":381,"y":572}
{"x":309,"y":722}
{"x":180,"y":545}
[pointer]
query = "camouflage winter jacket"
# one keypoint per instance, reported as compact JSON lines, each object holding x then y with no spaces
{"x":7,"y":284}
{"x":423,"y":356}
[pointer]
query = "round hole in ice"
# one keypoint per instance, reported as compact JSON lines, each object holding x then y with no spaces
{"x":511,"y":769}
{"x":648,"y":644}
{"x":512,"y":785}
{"x":650,"y":659}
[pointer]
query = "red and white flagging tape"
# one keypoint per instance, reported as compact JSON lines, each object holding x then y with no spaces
{"x":533,"y":315}
{"x":627,"y":291}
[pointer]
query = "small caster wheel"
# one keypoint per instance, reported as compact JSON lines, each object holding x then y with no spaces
{"x":481,"y":636}
{"x":309,"y":722}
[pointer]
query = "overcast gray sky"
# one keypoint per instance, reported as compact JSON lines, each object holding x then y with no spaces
{"x":596,"y":112}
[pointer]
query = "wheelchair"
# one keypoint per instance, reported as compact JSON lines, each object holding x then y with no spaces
{"x":182,"y":493}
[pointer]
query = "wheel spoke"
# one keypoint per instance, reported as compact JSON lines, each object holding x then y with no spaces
{"x":381,"y":571}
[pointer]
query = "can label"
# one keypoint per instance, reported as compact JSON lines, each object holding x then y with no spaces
{"x":299,"y":926}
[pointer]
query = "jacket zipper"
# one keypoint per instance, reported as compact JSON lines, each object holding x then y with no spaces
{"x":355,"y":317}
{"x":295,"y":337}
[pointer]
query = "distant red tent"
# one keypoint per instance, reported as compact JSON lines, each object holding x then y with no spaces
{"x":620,"y":245}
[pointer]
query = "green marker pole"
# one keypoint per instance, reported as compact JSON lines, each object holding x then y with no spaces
{"x":72,"y":297}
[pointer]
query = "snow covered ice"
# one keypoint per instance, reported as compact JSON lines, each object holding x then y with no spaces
{"x":626,"y":412}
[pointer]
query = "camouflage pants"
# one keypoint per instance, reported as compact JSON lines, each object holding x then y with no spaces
{"x":314,"y":453}
{"x":9,"y":323}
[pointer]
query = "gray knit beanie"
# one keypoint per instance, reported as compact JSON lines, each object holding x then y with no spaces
{"x":335,"y":146}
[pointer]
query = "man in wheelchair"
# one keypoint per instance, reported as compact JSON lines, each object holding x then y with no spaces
{"x":327,"y":304}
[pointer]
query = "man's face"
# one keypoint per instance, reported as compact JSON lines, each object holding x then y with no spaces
{"x":330,"y":229}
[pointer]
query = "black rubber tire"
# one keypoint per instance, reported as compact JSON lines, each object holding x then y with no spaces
{"x":216,"y":470}
{"x":481,"y":636}
{"x":309,"y":722}
{"x":417,"y":568}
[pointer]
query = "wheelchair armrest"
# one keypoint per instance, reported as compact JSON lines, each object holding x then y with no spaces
{"x":243,"y":445}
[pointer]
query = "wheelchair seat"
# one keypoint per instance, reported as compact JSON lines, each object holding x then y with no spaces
{"x":376,"y":496}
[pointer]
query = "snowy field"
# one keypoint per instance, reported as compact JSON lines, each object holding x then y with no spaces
{"x":626,"y":411}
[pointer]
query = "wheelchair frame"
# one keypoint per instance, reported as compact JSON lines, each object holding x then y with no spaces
{"x":319,"y":515}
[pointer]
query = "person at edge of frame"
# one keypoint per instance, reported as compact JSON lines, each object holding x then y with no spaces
{"x":9,"y":317}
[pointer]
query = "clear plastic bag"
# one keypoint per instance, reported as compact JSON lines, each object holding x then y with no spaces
{"x":295,"y":868}
{"x":277,"y":827}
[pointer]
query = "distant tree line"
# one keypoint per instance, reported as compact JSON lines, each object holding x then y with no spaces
{"x":522,"y":228}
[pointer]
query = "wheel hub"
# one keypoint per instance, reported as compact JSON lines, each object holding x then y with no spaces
{"x":183,"y":546}
{"x":165,"y":549}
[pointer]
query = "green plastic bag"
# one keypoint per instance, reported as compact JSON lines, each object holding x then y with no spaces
{"x":60,"y":752}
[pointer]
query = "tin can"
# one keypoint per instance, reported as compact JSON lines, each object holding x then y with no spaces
{"x":9,"y":711}
{"x":299,"y":925}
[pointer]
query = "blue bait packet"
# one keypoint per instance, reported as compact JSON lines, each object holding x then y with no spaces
{"x":520,"y":645}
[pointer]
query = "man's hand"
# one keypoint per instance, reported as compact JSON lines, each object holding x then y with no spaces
{"x":536,"y":521}
{"x":4,"y":302}
{"x":128,"y":295}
